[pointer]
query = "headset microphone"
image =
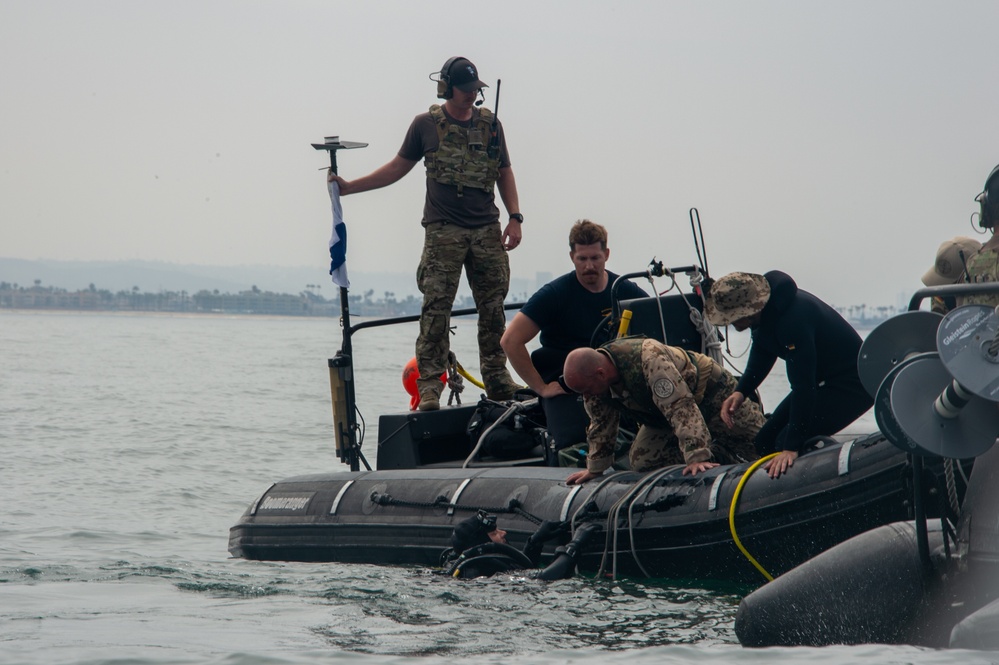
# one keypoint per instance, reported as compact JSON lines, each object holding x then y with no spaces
{"x":481,"y":100}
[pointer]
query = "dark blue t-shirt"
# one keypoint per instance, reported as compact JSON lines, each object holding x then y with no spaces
{"x":567,"y":314}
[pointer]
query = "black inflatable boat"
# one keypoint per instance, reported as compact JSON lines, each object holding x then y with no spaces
{"x":660,"y":524}
{"x":731,"y":523}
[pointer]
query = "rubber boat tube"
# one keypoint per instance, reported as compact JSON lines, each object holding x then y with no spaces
{"x":980,"y":630}
{"x":674,"y":527}
{"x":867,"y":589}
{"x":879,"y":587}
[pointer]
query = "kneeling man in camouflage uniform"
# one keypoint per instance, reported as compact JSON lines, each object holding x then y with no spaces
{"x":675,"y":394}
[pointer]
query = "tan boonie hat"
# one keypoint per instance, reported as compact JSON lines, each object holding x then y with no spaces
{"x":736,"y":296}
{"x":952,"y":259}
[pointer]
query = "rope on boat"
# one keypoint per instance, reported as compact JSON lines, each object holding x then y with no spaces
{"x":512,"y":508}
{"x":454,"y":381}
{"x":587,"y":512}
{"x":964,"y":476}
{"x":952,"y":468}
{"x":455,"y":372}
{"x":613,"y":515}
{"x":994,"y":346}
{"x":731,"y":513}
{"x":631,"y":498}
{"x":454,"y":378}
{"x":948,"y":465}
{"x":711,"y":345}
{"x":631,"y":511}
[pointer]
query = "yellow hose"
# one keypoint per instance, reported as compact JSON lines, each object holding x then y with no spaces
{"x":731,"y":513}
{"x":475,"y":382}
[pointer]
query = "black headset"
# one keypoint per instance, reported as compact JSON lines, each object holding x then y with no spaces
{"x":444,"y":90}
{"x":987,"y":218}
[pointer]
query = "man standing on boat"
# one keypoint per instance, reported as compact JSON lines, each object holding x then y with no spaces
{"x":465,"y":152}
{"x":566,"y":312}
{"x":950,"y":267}
{"x":676,"y":395}
{"x":983,"y":267}
{"x":818,"y":346}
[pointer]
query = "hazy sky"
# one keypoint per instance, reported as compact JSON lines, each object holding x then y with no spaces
{"x":839,"y":141}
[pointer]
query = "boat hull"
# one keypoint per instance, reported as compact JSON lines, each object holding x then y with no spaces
{"x":666,"y":525}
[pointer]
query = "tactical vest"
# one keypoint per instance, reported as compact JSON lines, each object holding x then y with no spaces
{"x":462,"y":156}
{"x":983,"y":267}
{"x":626,"y":354}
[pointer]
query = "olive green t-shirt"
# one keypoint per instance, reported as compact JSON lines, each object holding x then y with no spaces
{"x":475,"y":207}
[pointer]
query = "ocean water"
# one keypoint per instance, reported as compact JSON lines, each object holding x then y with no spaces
{"x":130,"y":444}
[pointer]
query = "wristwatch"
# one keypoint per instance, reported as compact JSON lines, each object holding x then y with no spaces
{"x":517,"y":216}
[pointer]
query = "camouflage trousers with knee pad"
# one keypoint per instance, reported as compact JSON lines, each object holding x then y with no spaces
{"x":655,"y":447}
{"x":447,"y":249}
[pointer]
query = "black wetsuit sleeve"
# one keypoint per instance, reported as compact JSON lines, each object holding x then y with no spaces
{"x":802,"y":363}
{"x":536,"y":542}
{"x":760,"y":362}
{"x":532,"y":550}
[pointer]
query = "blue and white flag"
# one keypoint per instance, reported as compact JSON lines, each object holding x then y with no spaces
{"x":338,"y":240}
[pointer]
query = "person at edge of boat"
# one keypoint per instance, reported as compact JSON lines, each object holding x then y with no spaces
{"x":950,"y":267}
{"x":479,"y":549}
{"x":983,"y":267}
{"x":819,"y":349}
{"x":465,"y":152}
{"x":566,"y":311}
{"x":675,"y":394}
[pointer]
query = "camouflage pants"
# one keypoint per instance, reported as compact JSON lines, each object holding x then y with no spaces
{"x":446,"y":249}
{"x":655,"y":448}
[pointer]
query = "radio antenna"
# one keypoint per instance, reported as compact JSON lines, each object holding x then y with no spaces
{"x":699,"y":246}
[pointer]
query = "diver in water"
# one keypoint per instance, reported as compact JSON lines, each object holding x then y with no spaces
{"x":479,"y":549}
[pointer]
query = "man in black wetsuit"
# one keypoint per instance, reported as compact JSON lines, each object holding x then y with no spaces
{"x":818,"y":346}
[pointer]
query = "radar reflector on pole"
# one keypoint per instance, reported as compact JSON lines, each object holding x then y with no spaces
{"x":333,"y":143}
{"x":341,"y":367}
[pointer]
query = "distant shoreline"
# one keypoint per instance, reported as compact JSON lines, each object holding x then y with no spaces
{"x":865,"y":325}
{"x":170,"y":315}
{"x":253,"y":302}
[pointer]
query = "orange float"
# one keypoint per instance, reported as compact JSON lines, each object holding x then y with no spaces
{"x":409,"y":376}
